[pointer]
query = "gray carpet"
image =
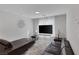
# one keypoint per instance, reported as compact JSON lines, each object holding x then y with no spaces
{"x":39,"y":47}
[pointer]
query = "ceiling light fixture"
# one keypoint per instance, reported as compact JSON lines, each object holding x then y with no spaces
{"x":37,"y":12}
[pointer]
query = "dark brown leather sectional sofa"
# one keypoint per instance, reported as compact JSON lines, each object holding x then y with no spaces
{"x":16,"y":47}
{"x":59,"y":47}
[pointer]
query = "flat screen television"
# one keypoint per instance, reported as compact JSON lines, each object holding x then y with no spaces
{"x":45,"y":29}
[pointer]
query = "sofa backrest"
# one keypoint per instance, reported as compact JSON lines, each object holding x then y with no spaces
{"x":66,"y":47}
{"x":2,"y":49}
{"x":4,"y":46}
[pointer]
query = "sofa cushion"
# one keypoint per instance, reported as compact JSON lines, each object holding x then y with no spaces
{"x":67,"y":44}
{"x":53,"y":49}
{"x":69,"y":51}
{"x":57,"y":44}
{"x":5,"y":43}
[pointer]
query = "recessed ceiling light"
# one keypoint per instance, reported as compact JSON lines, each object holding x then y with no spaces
{"x":37,"y":12}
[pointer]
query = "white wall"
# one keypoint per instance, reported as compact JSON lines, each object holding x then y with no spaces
{"x":60,"y":25}
{"x":9,"y":29}
{"x":35,"y":26}
{"x":73,"y":27}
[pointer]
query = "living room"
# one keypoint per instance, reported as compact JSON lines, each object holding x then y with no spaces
{"x":20,"y":21}
{"x":47,"y":29}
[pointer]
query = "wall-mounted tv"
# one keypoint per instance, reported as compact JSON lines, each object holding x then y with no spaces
{"x":45,"y":29}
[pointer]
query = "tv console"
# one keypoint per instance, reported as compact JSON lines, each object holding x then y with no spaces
{"x":43,"y":34}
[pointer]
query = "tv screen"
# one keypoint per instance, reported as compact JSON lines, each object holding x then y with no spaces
{"x":45,"y":29}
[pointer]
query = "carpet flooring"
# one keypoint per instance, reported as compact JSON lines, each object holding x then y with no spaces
{"x":39,"y":46}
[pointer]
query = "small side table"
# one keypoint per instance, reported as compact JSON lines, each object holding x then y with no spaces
{"x":34,"y":37}
{"x":57,"y":39}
